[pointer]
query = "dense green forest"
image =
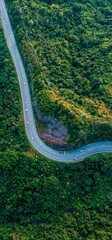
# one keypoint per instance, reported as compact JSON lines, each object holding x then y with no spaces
{"x":41,"y":199}
{"x":66,"y":48}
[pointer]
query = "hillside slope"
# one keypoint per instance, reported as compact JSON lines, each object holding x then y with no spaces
{"x":66,"y":49}
{"x":41,"y":199}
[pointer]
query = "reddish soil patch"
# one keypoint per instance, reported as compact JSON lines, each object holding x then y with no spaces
{"x":50,"y":139}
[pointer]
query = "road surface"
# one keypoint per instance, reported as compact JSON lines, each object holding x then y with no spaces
{"x":32,"y":134}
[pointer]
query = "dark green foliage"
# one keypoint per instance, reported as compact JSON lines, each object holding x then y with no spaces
{"x":75,"y":197}
{"x":12,"y":130}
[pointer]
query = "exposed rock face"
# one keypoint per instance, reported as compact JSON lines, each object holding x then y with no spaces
{"x":54,"y":129}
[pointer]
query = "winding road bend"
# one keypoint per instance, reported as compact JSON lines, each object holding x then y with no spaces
{"x":32,"y":134}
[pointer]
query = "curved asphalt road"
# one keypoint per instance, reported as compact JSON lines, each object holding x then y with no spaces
{"x":68,"y":156}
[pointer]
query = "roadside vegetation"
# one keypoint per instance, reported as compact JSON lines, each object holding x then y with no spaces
{"x":41,"y":199}
{"x":66,"y":48}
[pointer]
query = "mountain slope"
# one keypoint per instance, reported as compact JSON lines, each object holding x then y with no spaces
{"x":66,"y":48}
{"x":41,"y":199}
